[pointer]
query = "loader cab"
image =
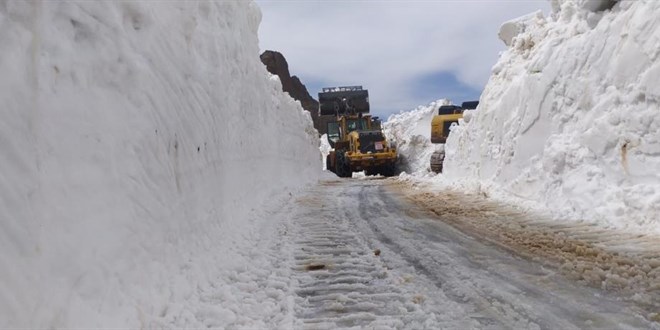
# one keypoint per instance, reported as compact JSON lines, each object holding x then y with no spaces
{"x":339,"y":129}
{"x":376,"y":123}
{"x":356,"y":124}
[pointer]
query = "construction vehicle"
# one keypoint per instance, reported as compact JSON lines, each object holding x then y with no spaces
{"x":441,"y":123}
{"x":356,"y":137}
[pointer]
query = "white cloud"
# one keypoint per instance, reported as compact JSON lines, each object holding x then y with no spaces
{"x":387,"y":45}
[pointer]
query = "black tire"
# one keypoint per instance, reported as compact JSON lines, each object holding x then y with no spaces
{"x":388,"y":170}
{"x":328,"y":164}
{"x":343,"y":168}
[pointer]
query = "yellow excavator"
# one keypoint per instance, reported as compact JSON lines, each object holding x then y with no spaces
{"x":441,"y":123}
{"x":356,"y":137}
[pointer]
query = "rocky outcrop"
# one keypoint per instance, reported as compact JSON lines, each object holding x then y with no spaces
{"x":276,"y":64}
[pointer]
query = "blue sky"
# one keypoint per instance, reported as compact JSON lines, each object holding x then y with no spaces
{"x":428,"y":87}
{"x":407,"y":53}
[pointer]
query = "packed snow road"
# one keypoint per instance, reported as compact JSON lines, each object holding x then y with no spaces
{"x":362,"y":256}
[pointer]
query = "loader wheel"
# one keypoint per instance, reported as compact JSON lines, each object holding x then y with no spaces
{"x":328,"y":165}
{"x":388,"y":170}
{"x":342,"y":167}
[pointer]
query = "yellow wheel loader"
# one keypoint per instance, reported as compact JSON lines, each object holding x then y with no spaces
{"x":356,"y":137}
{"x":441,"y":123}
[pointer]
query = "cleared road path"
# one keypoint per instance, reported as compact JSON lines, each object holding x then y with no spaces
{"x":362,"y":256}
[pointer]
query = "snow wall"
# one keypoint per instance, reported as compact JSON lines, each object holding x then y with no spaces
{"x":570,"y":117}
{"x":135,"y":140}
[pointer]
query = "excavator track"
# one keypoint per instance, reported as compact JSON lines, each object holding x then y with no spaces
{"x":437,"y":158}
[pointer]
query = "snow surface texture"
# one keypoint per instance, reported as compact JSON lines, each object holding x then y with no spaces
{"x":136,"y":139}
{"x":411,"y":130}
{"x":571,"y":116}
{"x":325,"y":149}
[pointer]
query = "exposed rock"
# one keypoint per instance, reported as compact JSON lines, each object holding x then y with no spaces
{"x":276,"y":64}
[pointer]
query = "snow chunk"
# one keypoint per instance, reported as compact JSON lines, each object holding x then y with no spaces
{"x":514,"y":27}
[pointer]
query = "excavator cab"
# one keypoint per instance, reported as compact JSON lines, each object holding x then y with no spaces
{"x":441,"y":124}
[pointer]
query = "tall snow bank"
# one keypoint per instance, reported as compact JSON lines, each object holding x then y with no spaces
{"x":135,"y":138}
{"x":570,"y":117}
{"x":411,"y":130}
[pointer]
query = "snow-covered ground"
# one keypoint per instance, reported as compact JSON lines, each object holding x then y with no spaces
{"x":569,"y":120}
{"x":138,"y":143}
{"x":355,"y":255}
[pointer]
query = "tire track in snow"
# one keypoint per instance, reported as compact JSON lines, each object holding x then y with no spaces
{"x":356,"y":287}
{"x":429,"y":274}
{"x":353,"y":288}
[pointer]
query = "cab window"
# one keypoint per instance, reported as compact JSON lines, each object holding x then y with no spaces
{"x":333,"y":132}
{"x":356,"y":124}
